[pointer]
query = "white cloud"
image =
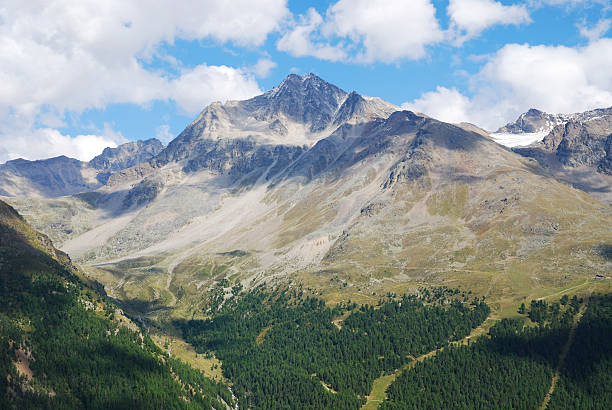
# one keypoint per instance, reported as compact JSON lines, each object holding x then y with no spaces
{"x":51,"y":143}
{"x":469,"y":18}
{"x":389,"y":29}
{"x":365,"y":31}
{"x":204,"y":84}
{"x":263,"y":67}
{"x":555,"y":79}
{"x":304,"y":40}
{"x":445,"y":104}
{"x":72,"y":55}
{"x":597,"y":31}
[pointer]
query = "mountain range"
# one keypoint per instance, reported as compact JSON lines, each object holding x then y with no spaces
{"x":345,"y":194}
{"x":61,"y":176}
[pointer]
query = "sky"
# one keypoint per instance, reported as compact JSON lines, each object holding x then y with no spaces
{"x":80,"y":75}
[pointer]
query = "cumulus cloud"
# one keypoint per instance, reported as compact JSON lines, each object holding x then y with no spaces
{"x":263,"y":67}
{"x":72,"y":55}
{"x":555,"y":79}
{"x":305,"y":39}
{"x":469,"y":18}
{"x":365,"y":31}
{"x":51,"y":143}
{"x":445,"y":104}
{"x":204,"y":84}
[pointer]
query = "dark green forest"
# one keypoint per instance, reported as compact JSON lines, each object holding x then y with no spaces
{"x":281,"y":349}
{"x":512,"y":367}
{"x":79,"y":355}
{"x":586,"y":377}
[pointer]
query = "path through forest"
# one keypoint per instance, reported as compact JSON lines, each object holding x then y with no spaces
{"x":380,"y":385}
{"x":564,"y":351}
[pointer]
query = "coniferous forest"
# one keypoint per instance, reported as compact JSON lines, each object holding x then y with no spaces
{"x":513,"y":366}
{"x":586,"y":378}
{"x":282,"y":350}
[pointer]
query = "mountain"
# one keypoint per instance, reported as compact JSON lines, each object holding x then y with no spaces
{"x":533,"y":121}
{"x":63,"y":345}
{"x":61,"y":175}
{"x":296,"y":113}
{"x":578,"y":150}
{"x":47,"y":178}
{"x":533,"y":125}
{"x":124,"y":156}
{"x":344,"y":195}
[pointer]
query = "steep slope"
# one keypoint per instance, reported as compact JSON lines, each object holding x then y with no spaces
{"x":579,"y":151}
{"x":366,"y":204}
{"x":64,"y":346}
{"x":62,"y":176}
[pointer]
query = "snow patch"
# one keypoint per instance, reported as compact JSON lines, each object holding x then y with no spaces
{"x":518,"y":140}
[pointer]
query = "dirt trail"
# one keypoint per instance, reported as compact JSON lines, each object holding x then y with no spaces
{"x":564,"y":352}
{"x":586,"y":282}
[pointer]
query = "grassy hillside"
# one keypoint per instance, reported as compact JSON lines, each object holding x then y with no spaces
{"x":64,"y":346}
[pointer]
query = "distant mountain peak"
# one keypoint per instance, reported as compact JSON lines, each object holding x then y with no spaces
{"x":309,"y":85}
{"x":127,"y":155}
{"x":61,"y":175}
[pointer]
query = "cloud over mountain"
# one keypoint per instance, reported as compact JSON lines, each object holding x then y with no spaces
{"x":552,"y":78}
{"x":77,"y":55}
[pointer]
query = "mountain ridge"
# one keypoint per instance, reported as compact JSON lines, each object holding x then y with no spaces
{"x":577,"y":149}
{"x":377,"y":203}
{"x":61,"y":175}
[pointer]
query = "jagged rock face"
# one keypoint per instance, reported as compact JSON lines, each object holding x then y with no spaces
{"x":125,"y":156}
{"x":307,"y":100}
{"x":237,"y":158}
{"x":576,"y":143}
{"x":273,"y":128}
{"x":532,"y":121}
{"x":578,"y":151}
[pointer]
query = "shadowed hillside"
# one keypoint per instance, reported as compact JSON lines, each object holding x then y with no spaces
{"x":64,"y":346}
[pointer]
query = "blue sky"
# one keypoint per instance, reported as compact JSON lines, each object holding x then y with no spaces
{"x":79,"y":75}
